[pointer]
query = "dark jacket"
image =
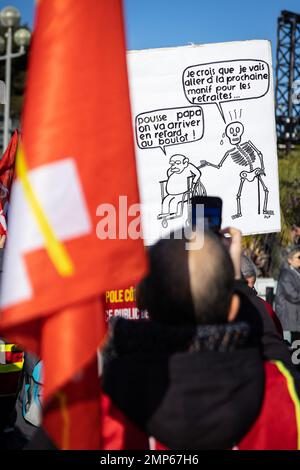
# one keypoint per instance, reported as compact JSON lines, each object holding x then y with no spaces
{"x":287,"y":301}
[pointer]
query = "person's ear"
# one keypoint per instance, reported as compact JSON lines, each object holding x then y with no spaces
{"x":234,"y":308}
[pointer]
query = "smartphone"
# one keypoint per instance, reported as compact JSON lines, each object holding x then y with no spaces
{"x":212,"y":212}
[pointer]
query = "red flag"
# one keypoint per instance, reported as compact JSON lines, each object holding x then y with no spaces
{"x":7,"y":165}
{"x":76,"y":159}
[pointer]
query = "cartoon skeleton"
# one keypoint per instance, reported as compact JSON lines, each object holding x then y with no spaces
{"x":183,"y":181}
{"x":244,"y":154}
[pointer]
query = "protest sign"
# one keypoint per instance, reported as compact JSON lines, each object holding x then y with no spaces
{"x":204,"y":124}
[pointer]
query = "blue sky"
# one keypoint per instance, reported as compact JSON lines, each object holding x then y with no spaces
{"x":164,"y":23}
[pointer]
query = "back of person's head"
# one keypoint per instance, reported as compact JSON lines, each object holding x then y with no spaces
{"x":192,"y":286}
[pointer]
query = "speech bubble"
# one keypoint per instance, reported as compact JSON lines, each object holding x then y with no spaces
{"x":170,"y":126}
{"x":222,"y":82}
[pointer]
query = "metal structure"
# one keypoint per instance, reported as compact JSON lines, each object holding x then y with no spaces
{"x":9,"y":18}
{"x":288,"y":79}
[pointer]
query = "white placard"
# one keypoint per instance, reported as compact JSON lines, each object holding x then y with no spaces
{"x":204,"y":123}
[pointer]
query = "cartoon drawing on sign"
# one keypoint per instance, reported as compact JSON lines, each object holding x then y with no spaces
{"x":166,"y":127}
{"x":183,"y":182}
{"x":244,"y":154}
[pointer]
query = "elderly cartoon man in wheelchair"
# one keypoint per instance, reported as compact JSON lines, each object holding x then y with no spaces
{"x":183,"y":182}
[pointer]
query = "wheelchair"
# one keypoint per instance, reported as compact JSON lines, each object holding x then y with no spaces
{"x":197,"y":189}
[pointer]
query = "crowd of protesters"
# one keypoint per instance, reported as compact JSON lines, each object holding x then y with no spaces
{"x":209,"y":370}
